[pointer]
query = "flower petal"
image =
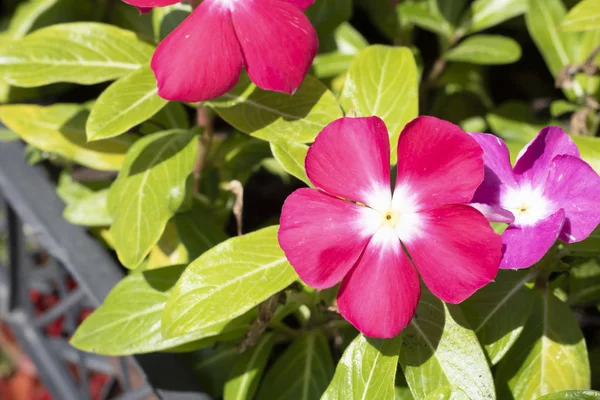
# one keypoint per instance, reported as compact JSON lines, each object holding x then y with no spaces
{"x":301,"y":4}
{"x":498,"y":175}
{"x":575,"y":187}
{"x":151,"y":3}
{"x":494,"y":213}
{"x":278,"y":42}
{"x":201,"y":59}
{"x":144,"y":10}
{"x":380,"y":295}
{"x":526,"y":245}
{"x":438,"y":163}
{"x":457,"y":252}
{"x":533,"y":162}
{"x":351,"y":158}
{"x":323,"y":236}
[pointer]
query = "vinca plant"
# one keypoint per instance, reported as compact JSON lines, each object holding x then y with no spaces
{"x":328,"y":199}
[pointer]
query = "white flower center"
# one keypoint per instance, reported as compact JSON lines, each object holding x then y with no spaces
{"x":527,"y":204}
{"x":227,"y":4}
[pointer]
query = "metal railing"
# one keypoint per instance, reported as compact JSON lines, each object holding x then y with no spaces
{"x":30,"y":199}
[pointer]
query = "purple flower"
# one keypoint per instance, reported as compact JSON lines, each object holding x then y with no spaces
{"x":550,"y":193}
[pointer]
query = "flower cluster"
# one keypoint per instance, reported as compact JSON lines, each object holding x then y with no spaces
{"x":204,"y":56}
{"x":355,"y":229}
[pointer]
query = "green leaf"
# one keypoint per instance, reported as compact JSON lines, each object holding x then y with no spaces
{"x":549,"y":356}
{"x":126,"y":103}
{"x":382,"y":81}
{"x":514,"y":120}
{"x":326,"y":15}
{"x":129,"y":320}
{"x":84,"y":53}
{"x":486,"y":50}
{"x":348,"y":39}
{"x":572,"y":395}
{"x":560,"y":107}
{"x":291,"y":156}
{"x":199,"y":229}
{"x":558,"y":48}
{"x":449,"y":10}
{"x":589,"y":148}
{"x":60,"y":129}
{"x":366,"y":371}
{"x":584,"y":283}
{"x":166,"y":19}
{"x":150,"y":188}
{"x":172,"y":116}
{"x":125,"y":16}
{"x":440,"y":350}
{"x":6,"y":135}
{"x":381,"y":14}
{"x":302,"y":372}
{"x":584,"y":16}
{"x":213,"y":366}
{"x":331,"y":64}
{"x":227,"y":281}
{"x":269,"y":115}
{"x":497,"y":313}
{"x":423,"y":16}
{"x":90,"y":210}
{"x":487,"y":13}
{"x":448,"y":393}
{"x":248,"y":370}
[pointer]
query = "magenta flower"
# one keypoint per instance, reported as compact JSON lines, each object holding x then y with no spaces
{"x":204,"y":56}
{"x":551,"y":193}
{"x":353,"y":228}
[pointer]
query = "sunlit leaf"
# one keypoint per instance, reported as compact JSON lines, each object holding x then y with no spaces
{"x":366,"y":371}
{"x":269,"y":115}
{"x":583,"y":17}
{"x":227,"y":281}
{"x":90,"y":210}
{"x":572,"y":395}
{"x":150,"y":188}
{"x":60,"y":129}
{"x":84,"y":53}
{"x":291,"y":156}
{"x":550,"y":354}
{"x":382,"y":81}
{"x":486,"y":13}
{"x":129,"y":320}
{"x":124,"y":104}
{"x":439,"y":349}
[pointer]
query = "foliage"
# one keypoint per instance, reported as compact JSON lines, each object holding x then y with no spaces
{"x":189,"y":195}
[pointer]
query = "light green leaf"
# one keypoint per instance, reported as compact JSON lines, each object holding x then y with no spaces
{"x":560,"y":107}
{"x":291,"y":156}
{"x":497,"y":313}
{"x":557,"y":47}
{"x":165,"y":19}
{"x":60,"y":129}
{"x":150,"y":188}
{"x":6,"y":135}
{"x":423,"y":16}
{"x":90,"y":210}
{"x":326,"y":15}
{"x":248,"y":370}
{"x":572,"y":395}
{"x":26,"y":15}
{"x":332,"y":64}
{"x":486,"y":50}
{"x":366,"y":371}
{"x":348,"y":39}
{"x":589,"y":148}
{"x":227,"y":281}
{"x":487,"y":13}
{"x":584,"y":16}
{"x":302,"y":372}
{"x":82,"y":52}
{"x":382,"y":81}
{"x":439,"y":350}
{"x":448,"y":393}
{"x":129,"y":320}
{"x":549,"y":356}
{"x":269,"y":115}
{"x":124,"y":104}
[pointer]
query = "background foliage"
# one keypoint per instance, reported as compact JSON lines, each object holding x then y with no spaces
{"x":170,"y":186}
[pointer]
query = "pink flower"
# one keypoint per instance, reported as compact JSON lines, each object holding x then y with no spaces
{"x":550,"y":193}
{"x":203,"y":57}
{"x":353,"y":228}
